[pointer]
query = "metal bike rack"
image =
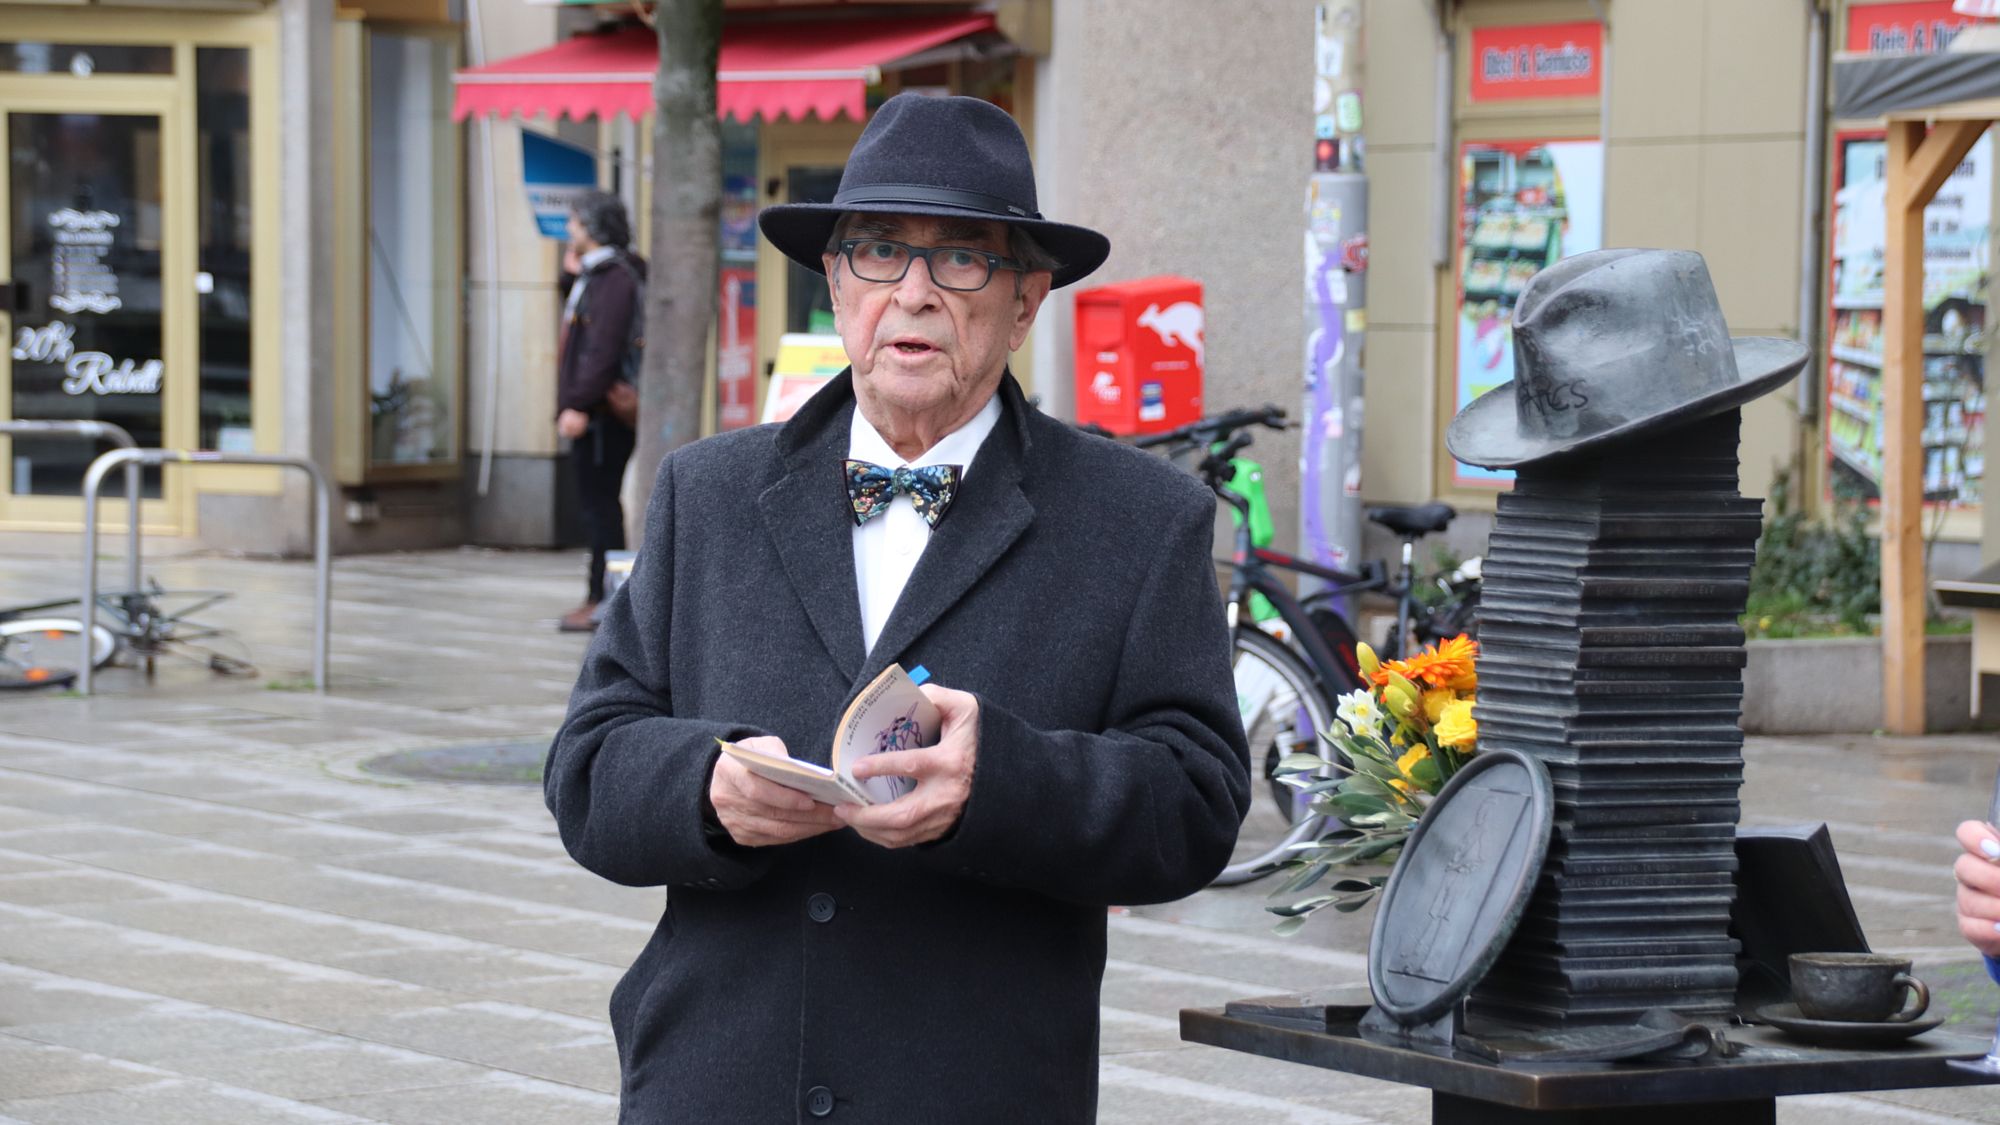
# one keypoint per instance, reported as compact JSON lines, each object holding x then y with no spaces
{"x":132,"y":458}
{"x":103,"y":431}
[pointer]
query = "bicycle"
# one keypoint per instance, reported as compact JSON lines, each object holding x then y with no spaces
{"x":1294,"y":656}
{"x":37,"y":641}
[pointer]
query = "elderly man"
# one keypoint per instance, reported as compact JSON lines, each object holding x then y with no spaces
{"x":936,"y":958}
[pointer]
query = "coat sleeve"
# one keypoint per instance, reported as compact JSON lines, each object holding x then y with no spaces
{"x":626,"y":778}
{"x":1146,"y":811}
{"x":604,"y":328}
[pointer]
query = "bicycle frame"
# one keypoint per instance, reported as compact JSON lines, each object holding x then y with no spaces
{"x":1248,"y":575}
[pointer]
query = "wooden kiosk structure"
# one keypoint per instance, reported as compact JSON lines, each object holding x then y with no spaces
{"x":1936,"y":107}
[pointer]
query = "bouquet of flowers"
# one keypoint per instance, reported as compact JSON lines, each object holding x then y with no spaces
{"x":1404,"y":735}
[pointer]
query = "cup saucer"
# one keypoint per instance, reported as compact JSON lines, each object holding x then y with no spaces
{"x":1843,"y":1033}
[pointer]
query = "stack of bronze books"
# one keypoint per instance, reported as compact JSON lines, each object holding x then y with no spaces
{"x":1611,"y":651}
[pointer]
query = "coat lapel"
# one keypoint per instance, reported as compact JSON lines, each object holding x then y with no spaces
{"x":806,"y":513}
{"x":989,"y":514}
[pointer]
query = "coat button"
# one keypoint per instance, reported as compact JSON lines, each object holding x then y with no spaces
{"x":819,"y":1101}
{"x":820,"y":909}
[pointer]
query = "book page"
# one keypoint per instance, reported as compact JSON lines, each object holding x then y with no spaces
{"x":890,"y":714}
{"x":815,"y":781}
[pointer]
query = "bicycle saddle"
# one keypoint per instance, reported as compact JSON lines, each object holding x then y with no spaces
{"x":1424,"y":519}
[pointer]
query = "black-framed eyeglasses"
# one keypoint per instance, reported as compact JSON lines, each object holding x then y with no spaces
{"x":952,"y":267}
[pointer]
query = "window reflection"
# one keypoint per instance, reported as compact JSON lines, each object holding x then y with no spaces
{"x":222,"y":121}
{"x":412,"y":298}
{"x":85,"y":222}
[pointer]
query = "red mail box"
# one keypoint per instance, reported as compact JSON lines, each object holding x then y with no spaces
{"x":1139,"y":354}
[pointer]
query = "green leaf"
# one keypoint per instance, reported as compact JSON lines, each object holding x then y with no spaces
{"x":1303,"y":906}
{"x":1289,"y":926}
{"x":1302,"y":880}
{"x":1300,"y":763}
{"x":1351,"y":803}
{"x":1424,"y":774}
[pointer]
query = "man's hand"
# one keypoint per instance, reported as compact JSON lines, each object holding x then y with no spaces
{"x":759,"y":812}
{"x":1978,"y":873}
{"x":943,"y":774}
{"x":572,"y":424}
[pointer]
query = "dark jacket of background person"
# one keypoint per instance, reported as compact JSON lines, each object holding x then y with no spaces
{"x":1070,"y":588}
{"x":593,"y":348}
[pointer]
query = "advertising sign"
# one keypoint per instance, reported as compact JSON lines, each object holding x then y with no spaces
{"x":736,"y":349}
{"x":1956,"y":225}
{"x":1543,"y":60}
{"x":806,"y":362}
{"x":1522,"y":206}
{"x":1923,"y":27}
{"x":555,"y":174}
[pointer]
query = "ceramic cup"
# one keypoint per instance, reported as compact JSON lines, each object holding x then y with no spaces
{"x":1856,"y":987}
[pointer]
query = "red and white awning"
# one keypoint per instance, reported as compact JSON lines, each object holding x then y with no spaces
{"x":772,"y":70}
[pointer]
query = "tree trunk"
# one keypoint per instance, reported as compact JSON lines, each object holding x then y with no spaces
{"x":686,"y":208}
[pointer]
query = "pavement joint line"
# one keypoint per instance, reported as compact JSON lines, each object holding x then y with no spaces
{"x":182,"y":1006}
{"x":1930,"y":841}
{"x":1853,"y":1103}
{"x":308,"y":1110}
{"x":418,"y":940}
{"x":1119,"y":1074}
{"x":154,"y":941}
{"x":542,"y":911}
{"x":1240,"y":943}
{"x":1128,"y":1018}
{"x":260,"y":777}
{"x":1157,"y":973}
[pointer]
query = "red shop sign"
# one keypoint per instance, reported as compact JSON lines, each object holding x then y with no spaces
{"x":1924,"y":27}
{"x":1543,"y":60}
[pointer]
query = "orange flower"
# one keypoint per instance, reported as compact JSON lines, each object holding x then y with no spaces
{"x":1447,"y":664}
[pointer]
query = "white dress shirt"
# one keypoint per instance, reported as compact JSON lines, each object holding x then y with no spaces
{"x":887,"y":547}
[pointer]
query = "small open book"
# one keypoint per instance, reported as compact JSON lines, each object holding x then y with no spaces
{"x":889,"y":714}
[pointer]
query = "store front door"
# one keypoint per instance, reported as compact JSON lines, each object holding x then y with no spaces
{"x":95,"y":329}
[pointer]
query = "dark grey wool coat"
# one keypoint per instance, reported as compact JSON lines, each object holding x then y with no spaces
{"x":1070,"y":589}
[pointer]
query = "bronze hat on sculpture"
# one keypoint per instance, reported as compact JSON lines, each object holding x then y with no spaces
{"x":1612,"y":344}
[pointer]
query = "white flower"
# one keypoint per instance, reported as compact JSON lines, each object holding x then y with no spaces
{"x":1360,"y":712}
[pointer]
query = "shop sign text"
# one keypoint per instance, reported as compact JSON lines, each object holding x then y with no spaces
{"x":86,"y":372}
{"x":1921,"y":28}
{"x":1551,"y":60}
{"x":83,"y":281}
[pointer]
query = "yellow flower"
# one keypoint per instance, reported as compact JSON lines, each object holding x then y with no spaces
{"x":1365,"y":657}
{"x":1435,"y":701}
{"x":1408,"y":762}
{"x":1455,"y":727}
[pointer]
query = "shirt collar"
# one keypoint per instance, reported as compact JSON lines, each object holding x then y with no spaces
{"x":593,"y":258}
{"x":958,"y":447}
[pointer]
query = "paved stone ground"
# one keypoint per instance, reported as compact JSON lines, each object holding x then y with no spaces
{"x":210,"y":912}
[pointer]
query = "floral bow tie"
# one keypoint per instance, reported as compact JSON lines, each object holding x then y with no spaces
{"x":930,"y":489}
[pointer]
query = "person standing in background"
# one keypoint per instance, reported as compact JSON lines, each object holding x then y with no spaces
{"x":597,"y":335}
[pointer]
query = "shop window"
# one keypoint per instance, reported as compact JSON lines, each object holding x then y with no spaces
{"x":411,"y":249}
{"x":808,"y":306}
{"x":222,"y":159}
{"x":84,"y":59}
{"x":85,"y":197}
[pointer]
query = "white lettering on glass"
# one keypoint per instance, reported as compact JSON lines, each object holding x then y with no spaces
{"x":86,"y":372}
{"x":83,"y":282}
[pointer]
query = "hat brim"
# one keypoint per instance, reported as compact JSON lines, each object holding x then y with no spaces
{"x":1487,"y":433}
{"x":801,"y":231}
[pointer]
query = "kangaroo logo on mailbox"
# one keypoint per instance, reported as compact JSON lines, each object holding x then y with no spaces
{"x":1178,"y":323}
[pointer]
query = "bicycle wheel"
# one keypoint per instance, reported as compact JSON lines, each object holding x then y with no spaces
{"x":40,"y":640}
{"x":1284,"y":712}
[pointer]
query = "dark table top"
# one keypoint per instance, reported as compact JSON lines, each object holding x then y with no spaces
{"x":1768,"y":1064}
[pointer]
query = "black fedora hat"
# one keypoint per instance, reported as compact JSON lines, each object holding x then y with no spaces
{"x":958,"y":157}
{"x":1611,"y":344}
